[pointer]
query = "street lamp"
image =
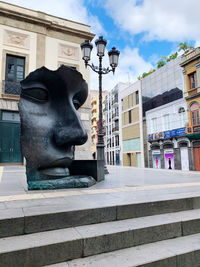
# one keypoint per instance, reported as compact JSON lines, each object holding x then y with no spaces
{"x":113,"y":54}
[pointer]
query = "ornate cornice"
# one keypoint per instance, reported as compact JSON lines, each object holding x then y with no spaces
{"x":48,"y":25}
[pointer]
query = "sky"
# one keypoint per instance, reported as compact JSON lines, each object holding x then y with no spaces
{"x":142,"y":30}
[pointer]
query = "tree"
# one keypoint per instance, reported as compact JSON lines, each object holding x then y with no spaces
{"x":161,"y":62}
{"x":172,"y":56}
{"x":184,"y":47}
{"x":144,"y":74}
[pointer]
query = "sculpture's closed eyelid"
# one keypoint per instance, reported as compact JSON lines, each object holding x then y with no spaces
{"x":37,"y":94}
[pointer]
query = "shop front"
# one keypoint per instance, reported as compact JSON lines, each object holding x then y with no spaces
{"x":170,"y":150}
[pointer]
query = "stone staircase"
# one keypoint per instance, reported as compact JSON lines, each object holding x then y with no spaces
{"x":155,"y":233}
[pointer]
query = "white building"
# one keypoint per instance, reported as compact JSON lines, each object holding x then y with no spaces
{"x":112,"y":125}
{"x":168,"y":146}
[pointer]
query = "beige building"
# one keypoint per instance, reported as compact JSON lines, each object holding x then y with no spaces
{"x":132,"y":126}
{"x":28,"y":40}
{"x":94,"y":96}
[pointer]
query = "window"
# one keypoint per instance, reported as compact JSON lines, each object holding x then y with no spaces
{"x":182,"y":119}
{"x":10,"y":116}
{"x":166,"y":122}
{"x":129,"y":116}
{"x":195,"y":114}
{"x":117,"y":140}
{"x":154,"y":126}
{"x":137,"y":97}
{"x":15,"y":69}
{"x":193,"y":80}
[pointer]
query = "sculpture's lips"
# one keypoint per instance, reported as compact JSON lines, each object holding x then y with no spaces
{"x":57,"y":168}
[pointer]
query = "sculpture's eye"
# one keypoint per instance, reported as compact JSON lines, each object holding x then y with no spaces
{"x":76,"y":104}
{"x":35,"y":94}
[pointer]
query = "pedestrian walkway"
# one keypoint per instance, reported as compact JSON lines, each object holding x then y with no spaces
{"x":139,"y":182}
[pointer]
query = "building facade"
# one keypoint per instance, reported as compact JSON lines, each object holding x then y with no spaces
{"x":168,"y":146}
{"x":190,"y":63}
{"x":112,"y":111}
{"x":94,"y":96}
{"x":160,"y":88}
{"x":132,"y":126}
{"x":28,"y":40}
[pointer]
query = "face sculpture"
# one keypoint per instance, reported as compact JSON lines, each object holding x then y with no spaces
{"x":50,"y":123}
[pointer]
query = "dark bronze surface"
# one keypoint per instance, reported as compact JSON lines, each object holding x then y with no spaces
{"x":50,"y":124}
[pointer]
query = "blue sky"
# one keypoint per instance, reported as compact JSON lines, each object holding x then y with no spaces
{"x":143,"y":30}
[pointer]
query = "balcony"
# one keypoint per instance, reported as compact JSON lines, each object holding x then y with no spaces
{"x":105,"y":109}
{"x":93,"y":102}
{"x":115,"y":115}
{"x":93,"y":117}
{"x":94,"y":108}
{"x":93,"y":133}
{"x":115,"y":101}
{"x":11,"y":88}
{"x":115,"y":129}
{"x":94,"y":124}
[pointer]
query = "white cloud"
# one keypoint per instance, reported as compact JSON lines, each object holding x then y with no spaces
{"x":131,"y":65}
{"x":159,"y":20}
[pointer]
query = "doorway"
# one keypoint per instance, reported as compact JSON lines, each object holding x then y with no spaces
{"x":184,"y":159}
{"x":196,"y":152}
{"x":10,"y":151}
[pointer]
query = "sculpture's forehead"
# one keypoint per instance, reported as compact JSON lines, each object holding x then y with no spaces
{"x":64,"y":81}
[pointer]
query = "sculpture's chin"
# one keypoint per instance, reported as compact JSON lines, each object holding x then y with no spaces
{"x":55,"y":172}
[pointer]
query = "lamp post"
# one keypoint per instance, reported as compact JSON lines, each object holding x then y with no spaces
{"x":113,"y":54}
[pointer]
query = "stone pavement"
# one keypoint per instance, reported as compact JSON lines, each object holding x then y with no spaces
{"x":139,"y":182}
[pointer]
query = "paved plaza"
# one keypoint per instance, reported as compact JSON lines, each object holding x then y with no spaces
{"x":135,"y":182}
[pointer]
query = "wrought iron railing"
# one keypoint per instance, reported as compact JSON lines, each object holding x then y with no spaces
{"x":116,"y":114}
{"x":115,"y":129}
{"x":11,"y":88}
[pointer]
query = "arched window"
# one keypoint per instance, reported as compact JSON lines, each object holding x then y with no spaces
{"x":194,"y":110}
{"x":182,"y":117}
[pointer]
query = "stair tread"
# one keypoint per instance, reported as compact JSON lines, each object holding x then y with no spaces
{"x":87,"y":231}
{"x":13,"y":243}
{"x":141,"y":255}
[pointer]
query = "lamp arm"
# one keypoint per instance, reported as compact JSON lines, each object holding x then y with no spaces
{"x":105,"y":71}
{"x":96,"y":69}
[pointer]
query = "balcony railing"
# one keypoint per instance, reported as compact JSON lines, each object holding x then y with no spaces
{"x":11,"y":88}
{"x":115,"y":129}
{"x":105,"y":109}
{"x":116,"y":114}
{"x":115,"y":100}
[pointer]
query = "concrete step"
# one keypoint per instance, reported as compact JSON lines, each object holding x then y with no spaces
{"x":18,"y":221}
{"x":56,"y":246}
{"x":178,"y":252}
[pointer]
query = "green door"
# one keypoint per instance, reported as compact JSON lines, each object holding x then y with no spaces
{"x":5,"y":143}
{"x":10,"y":143}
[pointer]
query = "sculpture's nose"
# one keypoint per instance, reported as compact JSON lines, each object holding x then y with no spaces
{"x":71,"y":132}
